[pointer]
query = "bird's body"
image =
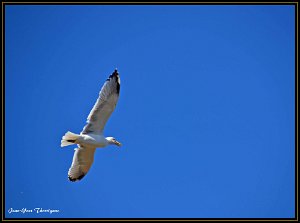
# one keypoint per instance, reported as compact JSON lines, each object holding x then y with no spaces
{"x":90,"y":139}
{"x":92,"y":136}
{"x":99,"y":141}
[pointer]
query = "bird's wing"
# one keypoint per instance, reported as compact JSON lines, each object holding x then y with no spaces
{"x":82,"y":161}
{"x":104,"y":106}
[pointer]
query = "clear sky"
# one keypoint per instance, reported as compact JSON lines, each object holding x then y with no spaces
{"x":206,"y":113}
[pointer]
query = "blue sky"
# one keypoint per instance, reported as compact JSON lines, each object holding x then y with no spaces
{"x":206,"y":112}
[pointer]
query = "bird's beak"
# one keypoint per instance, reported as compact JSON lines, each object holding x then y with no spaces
{"x":118,"y":143}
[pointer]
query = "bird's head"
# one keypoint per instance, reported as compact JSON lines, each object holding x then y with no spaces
{"x":112,"y":140}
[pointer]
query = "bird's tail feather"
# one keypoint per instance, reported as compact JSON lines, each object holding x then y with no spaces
{"x":68,"y":139}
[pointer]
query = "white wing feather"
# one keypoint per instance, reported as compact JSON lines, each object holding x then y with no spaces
{"x":104,"y":106}
{"x":82,"y":161}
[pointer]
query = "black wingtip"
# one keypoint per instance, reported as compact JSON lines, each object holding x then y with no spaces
{"x":114,"y":74}
{"x":75,"y":179}
{"x":117,"y":79}
{"x":118,"y":88}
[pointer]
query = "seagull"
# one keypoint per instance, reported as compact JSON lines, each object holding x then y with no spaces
{"x":91,"y":136}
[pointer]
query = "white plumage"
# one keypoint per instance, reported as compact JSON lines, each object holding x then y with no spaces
{"x":91,"y":136}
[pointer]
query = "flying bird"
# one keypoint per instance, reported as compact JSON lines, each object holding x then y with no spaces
{"x":91,"y":136}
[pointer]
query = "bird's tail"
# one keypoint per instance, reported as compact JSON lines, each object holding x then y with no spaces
{"x":68,"y":139}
